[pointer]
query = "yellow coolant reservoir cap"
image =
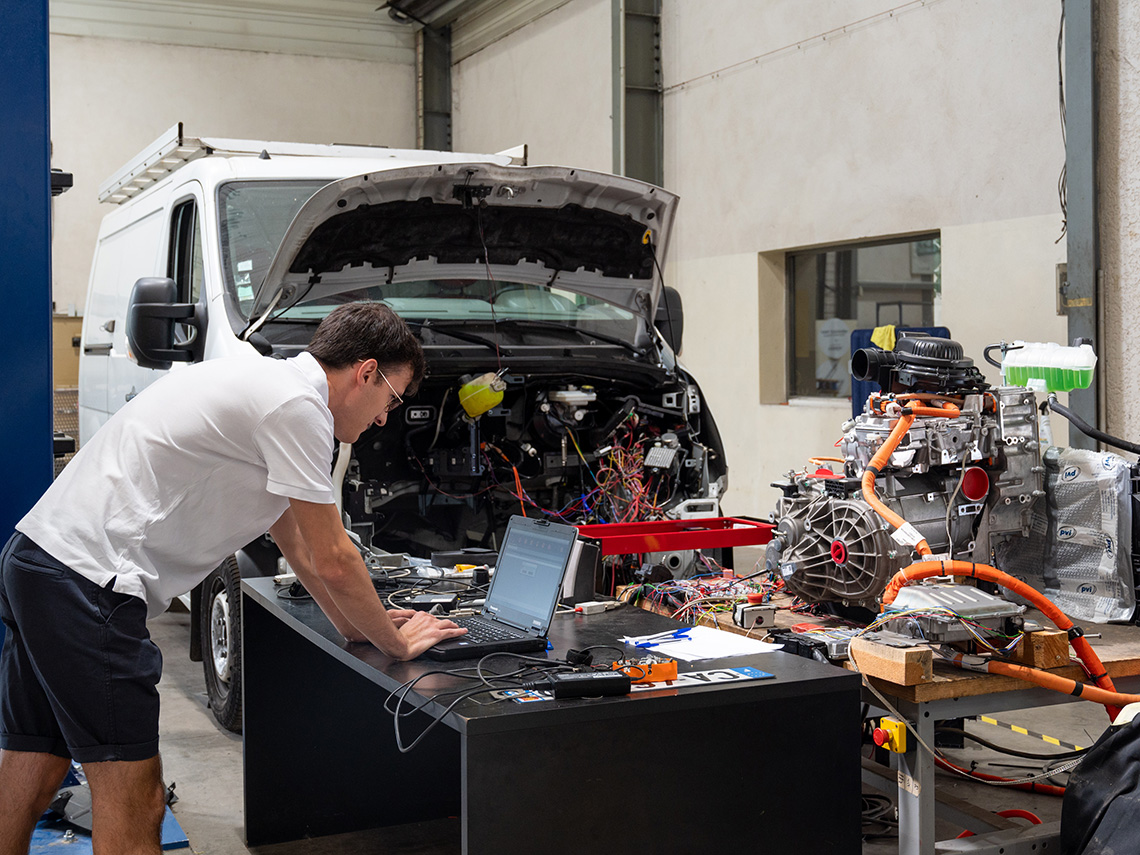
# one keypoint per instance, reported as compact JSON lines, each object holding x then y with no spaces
{"x":481,"y":394}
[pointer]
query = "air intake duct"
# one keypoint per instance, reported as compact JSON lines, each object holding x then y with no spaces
{"x":919,"y":363}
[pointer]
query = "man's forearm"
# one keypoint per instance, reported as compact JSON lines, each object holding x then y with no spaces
{"x":288,"y":538}
{"x":337,"y":568}
{"x":348,"y":589}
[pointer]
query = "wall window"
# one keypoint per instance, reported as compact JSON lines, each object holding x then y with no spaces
{"x":835,"y":291}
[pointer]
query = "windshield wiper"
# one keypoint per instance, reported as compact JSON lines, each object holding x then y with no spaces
{"x":558,"y":325}
{"x":450,"y":329}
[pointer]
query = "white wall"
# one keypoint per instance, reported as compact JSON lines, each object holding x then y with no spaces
{"x":788,"y":124}
{"x":547,"y":85}
{"x":110,"y":98}
{"x":791,"y":124}
{"x":1118,"y":70}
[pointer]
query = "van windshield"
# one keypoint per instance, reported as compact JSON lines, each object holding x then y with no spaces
{"x":254,"y":216}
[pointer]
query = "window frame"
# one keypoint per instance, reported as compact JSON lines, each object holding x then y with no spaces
{"x":852,"y":299}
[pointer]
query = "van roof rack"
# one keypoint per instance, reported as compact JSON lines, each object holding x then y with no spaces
{"x":174,"y":149}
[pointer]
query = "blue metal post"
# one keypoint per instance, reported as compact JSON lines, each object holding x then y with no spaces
{"x":25,"y":275}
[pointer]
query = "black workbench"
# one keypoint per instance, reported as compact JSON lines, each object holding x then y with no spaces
{"x":772,"y":764}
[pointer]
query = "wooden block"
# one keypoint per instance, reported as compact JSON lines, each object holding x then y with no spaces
{"x":902,"y":666}
{"x":1045,"y":649}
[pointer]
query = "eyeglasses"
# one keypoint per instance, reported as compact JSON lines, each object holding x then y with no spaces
{"x":398,"y":400}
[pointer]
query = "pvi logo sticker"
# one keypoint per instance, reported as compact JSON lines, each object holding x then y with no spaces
{"x":1086,"y":589}
{"x":1071,"y":473}
{"x":1110,"y":461}
{"x":1066,"y":532}
{"x":1108,"y":546}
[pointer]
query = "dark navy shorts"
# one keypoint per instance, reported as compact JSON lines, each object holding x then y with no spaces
{"x":78,"y":673}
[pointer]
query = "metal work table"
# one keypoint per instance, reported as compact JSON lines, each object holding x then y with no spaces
{"x":618,"y":774}
{"x":956,"y":694}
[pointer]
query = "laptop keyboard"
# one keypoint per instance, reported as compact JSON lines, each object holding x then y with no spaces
{"x":479,"y":629}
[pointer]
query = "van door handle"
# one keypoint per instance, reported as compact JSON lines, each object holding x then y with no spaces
{"x":97,"y":349}
{"x":109,"y":326}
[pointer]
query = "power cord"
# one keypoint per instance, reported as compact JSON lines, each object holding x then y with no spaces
{"x":938,"y":755}
{"x":533,"y":669}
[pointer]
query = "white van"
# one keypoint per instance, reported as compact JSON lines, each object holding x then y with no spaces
{"x":545,"y":280}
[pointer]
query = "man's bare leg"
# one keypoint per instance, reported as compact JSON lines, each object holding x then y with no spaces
{"x":127,"y":805}
{"x":28,"y":783}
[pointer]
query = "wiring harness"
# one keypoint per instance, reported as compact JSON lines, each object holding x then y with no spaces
{"x":702,"y":598}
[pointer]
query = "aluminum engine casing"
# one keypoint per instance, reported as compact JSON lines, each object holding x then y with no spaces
{"x":831,"y":546}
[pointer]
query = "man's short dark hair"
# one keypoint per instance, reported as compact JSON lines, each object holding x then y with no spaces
{"x":355,"y":332}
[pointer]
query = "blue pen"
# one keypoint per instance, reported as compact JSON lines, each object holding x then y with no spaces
{"x":664,"y":637}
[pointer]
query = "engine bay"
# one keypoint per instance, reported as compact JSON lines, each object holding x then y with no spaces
{"x":437,"y":478}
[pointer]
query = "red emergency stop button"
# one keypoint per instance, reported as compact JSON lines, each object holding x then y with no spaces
{"x":880,"y":737}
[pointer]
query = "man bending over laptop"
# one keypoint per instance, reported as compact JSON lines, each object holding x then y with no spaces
{"x":201,"y":463}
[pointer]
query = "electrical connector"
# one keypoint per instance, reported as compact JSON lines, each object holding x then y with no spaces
{"x":748,"y":615}
{"x":595,"y":607}
{"x":433,"y":602}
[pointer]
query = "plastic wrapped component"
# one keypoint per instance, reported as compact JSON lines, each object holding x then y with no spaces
{"x":1048,"y":366}
{"x":1080,"y":552}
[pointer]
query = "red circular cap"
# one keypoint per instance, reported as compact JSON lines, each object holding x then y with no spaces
{"x":880,"y":736}
{"x":975,"y":484}
{"x":839,"y":552}
{"x":755,"y":598}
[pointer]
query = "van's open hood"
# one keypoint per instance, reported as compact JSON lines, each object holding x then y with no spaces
{"x":589,"y":232}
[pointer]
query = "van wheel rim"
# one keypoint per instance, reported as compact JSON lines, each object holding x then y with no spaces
{"x":220,"y":637}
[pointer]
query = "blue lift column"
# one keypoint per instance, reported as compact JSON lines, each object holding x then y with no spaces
{"x":25,"y":276}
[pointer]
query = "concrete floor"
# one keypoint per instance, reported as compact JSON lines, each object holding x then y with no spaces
{"x":205,"y":763}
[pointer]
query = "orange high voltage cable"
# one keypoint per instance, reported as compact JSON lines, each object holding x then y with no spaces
{"x":1084,"y":650}
{"x":883,"y":455}
{"x":926,"y":569}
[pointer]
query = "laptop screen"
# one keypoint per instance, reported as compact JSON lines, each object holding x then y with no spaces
{"x":528,"y":574}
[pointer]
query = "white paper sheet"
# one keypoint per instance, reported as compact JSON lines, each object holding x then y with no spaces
{"x":704,"y":642}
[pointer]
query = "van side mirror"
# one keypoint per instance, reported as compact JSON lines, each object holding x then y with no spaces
{"x":152,"y":315}
{"x":670,"y":318}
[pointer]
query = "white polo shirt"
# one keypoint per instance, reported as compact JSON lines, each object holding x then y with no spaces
{"x":196,"y":466}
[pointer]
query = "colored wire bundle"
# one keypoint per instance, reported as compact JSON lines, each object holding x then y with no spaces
{"x":974,"y":628}
{"x":698,"y":600}
{"x":616,"y":487}
{"x":627,"y":493}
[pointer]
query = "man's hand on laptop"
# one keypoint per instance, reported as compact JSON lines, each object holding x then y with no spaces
{"x":401,"y":616}
{"x":422,"y":630}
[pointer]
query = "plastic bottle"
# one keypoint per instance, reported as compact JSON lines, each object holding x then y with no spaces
{"x":481,"y":394}
{"x":1048,"y":366}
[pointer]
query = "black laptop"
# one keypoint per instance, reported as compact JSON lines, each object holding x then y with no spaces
{"x":524,"y":592}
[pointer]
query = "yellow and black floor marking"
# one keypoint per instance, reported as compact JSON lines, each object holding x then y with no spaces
{"x":1025,"y":732}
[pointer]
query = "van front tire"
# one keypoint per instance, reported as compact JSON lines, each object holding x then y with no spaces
{"x":220,"y":623}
